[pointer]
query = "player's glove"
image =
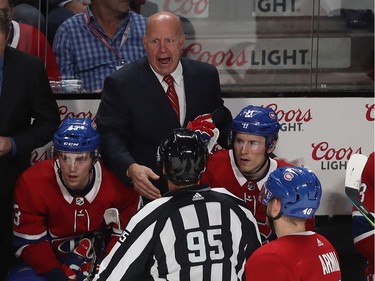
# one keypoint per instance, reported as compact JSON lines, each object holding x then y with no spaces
{"x":206,"y":129}
{"x":69,"y":273}
{"x":81,"y":254}
{"x":84,"y":271}
{"x":203,"y":125}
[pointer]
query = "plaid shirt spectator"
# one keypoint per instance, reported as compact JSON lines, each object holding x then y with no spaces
{"x":86,"y":53}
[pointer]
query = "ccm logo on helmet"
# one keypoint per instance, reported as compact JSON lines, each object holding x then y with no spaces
{"x":76,"y":127}
{"x":70,"y":144}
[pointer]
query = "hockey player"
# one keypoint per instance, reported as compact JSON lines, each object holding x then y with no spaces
{"x":192,"y":233}
{"x":291,"y":196}
{"x":363,"y":232}
{"x":59,"y":203}
{"x":244,"y":168}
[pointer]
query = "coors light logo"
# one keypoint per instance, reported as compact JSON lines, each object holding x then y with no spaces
{"x":40,"y":154}
{"x":186,"y":7}
{"x":265,"y":6}
{"x":291,"y":120}
{"x":336,"y":158}
{"x":370,"y":112}
{"x":65,"y":113}
{"x":332,"y":158}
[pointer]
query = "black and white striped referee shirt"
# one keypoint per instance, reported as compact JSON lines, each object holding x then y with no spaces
{"x":192,"y":234}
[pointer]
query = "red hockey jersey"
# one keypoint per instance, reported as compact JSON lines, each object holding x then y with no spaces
{"x":222,"y":171}
{"x":30,"y":40}
{"x":363,"y":232}
{"x":305,"y":256}
{"x":48,"y":221}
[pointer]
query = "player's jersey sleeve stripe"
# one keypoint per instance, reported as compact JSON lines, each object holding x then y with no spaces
{"x":363,"y":236}
{"x":30,"y":237}
{"x":358,"y":213}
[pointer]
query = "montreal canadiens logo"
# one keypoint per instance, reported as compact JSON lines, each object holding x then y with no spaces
{"x":288,"y":176}
{"x":272,"y":115}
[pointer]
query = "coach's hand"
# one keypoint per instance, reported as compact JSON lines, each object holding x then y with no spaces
{"x":140,"y":176}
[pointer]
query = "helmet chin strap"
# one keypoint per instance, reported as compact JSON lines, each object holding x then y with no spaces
{"x":275,"y":218}
{"x":271,"y":220}
{"x":247,"y":175}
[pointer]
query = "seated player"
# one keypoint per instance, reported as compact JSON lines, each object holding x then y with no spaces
{"x":59,"y":207}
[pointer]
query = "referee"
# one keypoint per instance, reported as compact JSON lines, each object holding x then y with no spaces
{"x":192,"y":233}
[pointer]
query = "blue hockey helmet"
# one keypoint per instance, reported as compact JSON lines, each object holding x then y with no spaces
{"x":298,"y":189}
{"x":76,"y":135}
{"x":183,"y":155}
{"x":257,"y":120}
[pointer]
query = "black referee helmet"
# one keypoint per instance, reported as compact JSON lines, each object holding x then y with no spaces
{"x":183,"y":155}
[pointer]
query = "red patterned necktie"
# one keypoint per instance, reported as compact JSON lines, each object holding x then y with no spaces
{"x":172,"y":95}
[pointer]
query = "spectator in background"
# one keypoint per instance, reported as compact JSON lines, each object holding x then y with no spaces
{"x":192,"y":233}
{"x":363,"y":231}
{"x":59,"y":11}
{"x":90,"y":46}
{"x":29,"y":116}
{"x":60,"y":203}
{"x":30,"y":12}
{"x":136,"y":112}
{"x":245,"y":167}
{"x":47,"y":15}
{"x":291,"y":196}
{"x":29,"y":39}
